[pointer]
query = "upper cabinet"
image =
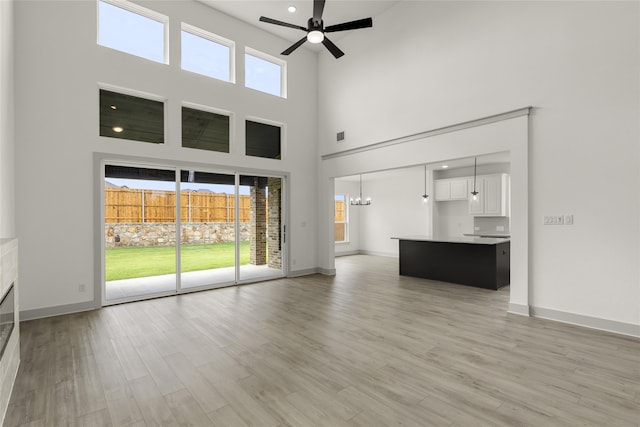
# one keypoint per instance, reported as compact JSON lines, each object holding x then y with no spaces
{"x":493,"y":195}
{"x":451,"y":189}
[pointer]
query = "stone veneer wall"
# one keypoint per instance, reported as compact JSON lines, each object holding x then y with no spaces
{"x":164,"y":234}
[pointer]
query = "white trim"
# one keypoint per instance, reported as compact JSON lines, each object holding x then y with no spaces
{"x":607,"y":325}
{"x":377,"y":253}
{"x":519,"y":309}
{"x":133,"y":92}
{"x":39,"y":313}
{"x":199,"y":32}
{"x":283,"y":134}
{"x":272,"y":59}
{"x":433,"y":132}
{"x":305,"y":272}
{"x":139,"y":94}
{"x":144,"y":12}
{"x":347,"y":253}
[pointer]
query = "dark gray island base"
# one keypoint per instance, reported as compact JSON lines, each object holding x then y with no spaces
{"x":479,"y":262}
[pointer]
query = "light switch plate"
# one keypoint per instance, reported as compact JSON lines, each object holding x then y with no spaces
{"x":553,"y":220}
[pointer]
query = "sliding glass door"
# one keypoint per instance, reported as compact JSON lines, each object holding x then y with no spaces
{"x":140,"y":232}
{"x":208,"y":230}
{"x":214,"y":229}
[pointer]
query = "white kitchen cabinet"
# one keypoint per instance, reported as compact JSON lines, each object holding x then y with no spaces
{"x":459,"y":189}
{"x":493,"y":195}
{"x":451,"y":189}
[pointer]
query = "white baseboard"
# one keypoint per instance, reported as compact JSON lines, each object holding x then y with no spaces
{"x":347,"y":253}
{"x":305,"y":272}
{"x":376,"y":253}
{"x":615,"y":326}
{"x":57,"y":310}
{"x":327,"y":271}
{"x":519,"y":309}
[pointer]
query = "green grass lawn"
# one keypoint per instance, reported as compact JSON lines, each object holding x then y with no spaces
{"x":132,"y":262}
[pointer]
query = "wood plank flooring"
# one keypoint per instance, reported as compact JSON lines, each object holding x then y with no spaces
{"x":364,"y":348}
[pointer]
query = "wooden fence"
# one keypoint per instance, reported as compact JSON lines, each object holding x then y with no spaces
{"x":125,"y":205}
{"x":339,"y":224}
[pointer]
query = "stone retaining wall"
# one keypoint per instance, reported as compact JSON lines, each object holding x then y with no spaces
{"x":164,"y":234}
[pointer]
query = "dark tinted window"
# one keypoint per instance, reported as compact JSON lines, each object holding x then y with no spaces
{"x":130,"y":117}
{"x":204,"y":130}
{"x":263,"y":140}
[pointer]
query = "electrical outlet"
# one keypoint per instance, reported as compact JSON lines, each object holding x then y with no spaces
{"x":82,"y":287}
{"x":568,"y":219}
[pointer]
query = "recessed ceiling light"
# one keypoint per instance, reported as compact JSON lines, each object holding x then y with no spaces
{"x":445,"y":166}
{"x":113,"y":107}
{"x":117,"y":129}
{"x":291,"y":9}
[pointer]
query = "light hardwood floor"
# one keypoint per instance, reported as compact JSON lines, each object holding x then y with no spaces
{"x":363,"y":348}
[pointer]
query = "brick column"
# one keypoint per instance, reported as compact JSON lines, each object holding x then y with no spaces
{"x":258,"y":223}
{"x":274,"y":229}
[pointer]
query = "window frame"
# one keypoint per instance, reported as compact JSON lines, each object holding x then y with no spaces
{"x":138,"y":94}
{"x":215,"y":38}
{"x":272,"y":59}
{"x":213,"y":110}
{"x":346,"y":218}
{"x":144,"y":12}
{"x":283,"y":136}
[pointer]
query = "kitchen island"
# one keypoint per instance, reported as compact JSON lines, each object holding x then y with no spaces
{"x":474,"y":261}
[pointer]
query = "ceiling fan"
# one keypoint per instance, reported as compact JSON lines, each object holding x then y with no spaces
{"x":316,"y":30}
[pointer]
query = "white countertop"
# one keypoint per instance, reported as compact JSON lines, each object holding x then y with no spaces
{"x":501,"y":235}
{"x":455,"y":239}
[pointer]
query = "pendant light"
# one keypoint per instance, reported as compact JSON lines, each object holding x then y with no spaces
{"x":425,"y":196}
{"x":474,"y":193}
{"x":358,"y":201}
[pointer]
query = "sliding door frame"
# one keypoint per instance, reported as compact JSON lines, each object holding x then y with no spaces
{"x":103,"y":159}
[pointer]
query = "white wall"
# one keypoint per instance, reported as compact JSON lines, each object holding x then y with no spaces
{"x":7,"y":131}
{"x":396,"y":210}
{"x":425,"y":65}
{"x":57,"y":76}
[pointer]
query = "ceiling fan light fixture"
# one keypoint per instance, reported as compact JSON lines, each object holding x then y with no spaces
{"x":316,"y":30}
{"x":315,"y":36}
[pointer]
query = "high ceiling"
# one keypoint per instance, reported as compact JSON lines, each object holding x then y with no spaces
{"x":335,"y":12}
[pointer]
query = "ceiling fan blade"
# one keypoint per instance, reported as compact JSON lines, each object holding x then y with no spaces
{"x":318,"y":8}
{"x":335,"y":51}
{"x":295,"y":46}
{"x":352,"y":25}
{"x":283,"y":24}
